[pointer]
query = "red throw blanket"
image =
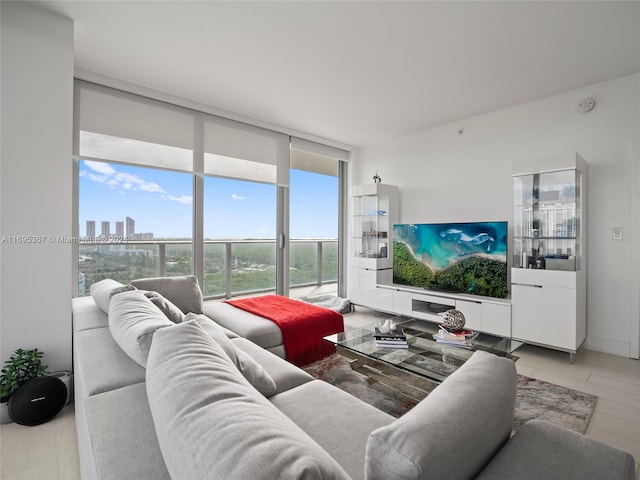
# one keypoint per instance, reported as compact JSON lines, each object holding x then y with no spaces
{"x":302,"y":325}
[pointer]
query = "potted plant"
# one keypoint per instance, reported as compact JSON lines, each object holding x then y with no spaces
{"x":22,"y":366}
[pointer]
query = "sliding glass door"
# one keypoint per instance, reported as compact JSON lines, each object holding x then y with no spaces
{"x":239,"y":237}
{"x":314,"y":217}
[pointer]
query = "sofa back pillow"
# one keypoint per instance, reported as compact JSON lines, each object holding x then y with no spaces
{"x":183,"y":291}
{"x":102,"y":291}
{"x":455,"y":431}
{"x":172,"y":312}
{"x":248,"y":367}
{"x":133,"y":319}
{"x":211,"y":423}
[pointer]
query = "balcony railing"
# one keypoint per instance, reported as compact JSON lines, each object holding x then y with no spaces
{"x":231,"y":267}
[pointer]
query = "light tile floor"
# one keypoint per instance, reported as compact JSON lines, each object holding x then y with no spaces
{"x":44,"y":452}
{"x":50,"y":451}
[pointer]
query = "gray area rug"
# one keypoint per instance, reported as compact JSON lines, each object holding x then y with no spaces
{"x":535,"y":398}
{"x":560,"y":405}
{"x":340,"y":305}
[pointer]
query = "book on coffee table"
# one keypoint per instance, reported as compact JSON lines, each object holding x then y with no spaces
{"x":396,"y":335}
{"x":462,"y":339}
{"x":391,"y":344}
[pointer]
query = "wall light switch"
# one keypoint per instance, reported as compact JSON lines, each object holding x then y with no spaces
{"x":617,"y":233}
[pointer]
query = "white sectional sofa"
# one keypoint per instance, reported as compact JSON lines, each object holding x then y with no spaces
{"x":194,"y":400}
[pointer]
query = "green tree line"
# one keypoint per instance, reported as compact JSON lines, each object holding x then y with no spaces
{"x":253,"y":265}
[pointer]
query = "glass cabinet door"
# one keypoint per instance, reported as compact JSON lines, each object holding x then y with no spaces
{"x":547,"y":210}
{"x":371,"y":226}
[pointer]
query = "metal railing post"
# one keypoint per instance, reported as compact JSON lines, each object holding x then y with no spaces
{"x":319,"y":262}
{"x":162,"y":258}
{"x":227,"y":269}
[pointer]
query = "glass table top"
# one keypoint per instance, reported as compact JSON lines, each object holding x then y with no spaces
{"x":424,"y":356}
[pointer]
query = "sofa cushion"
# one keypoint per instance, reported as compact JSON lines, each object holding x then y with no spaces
{"x":211,"y":423}
{"x":133,"y":319}
{"x":123,"y":437}
{"x":322,"y":410}
{"x":560,"y":453}
{"x":183,"y":291}
{"x":250,"y":369}
{"x":285,"y":375}
{"x":101,"y":365}
{"x":87,"y":315}
{"x":172,"y":312}
{"x":103,"y":290}
{"x":259,"y":330}
{"x":455,"y":431}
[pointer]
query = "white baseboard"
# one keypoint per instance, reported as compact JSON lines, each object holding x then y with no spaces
{"x":606,"y":345}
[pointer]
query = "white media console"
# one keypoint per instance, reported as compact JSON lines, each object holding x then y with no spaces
{"x":489,"y":315}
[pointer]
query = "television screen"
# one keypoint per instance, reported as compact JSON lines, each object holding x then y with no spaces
{"x":466,"y":258}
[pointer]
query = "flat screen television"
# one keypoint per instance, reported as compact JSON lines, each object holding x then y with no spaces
{"x":468,"y":258}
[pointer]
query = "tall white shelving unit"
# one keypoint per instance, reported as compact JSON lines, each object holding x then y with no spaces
{"x":374,"y":211}
{"x":548,"y":278}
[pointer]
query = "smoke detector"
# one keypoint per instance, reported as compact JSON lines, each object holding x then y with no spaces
{"x":586,"y":105}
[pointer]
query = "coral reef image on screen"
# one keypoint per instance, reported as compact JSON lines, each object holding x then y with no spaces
{"x":452,"y":257}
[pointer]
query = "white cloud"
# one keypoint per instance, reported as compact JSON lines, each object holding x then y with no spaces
{"x":100,"y":167}
{"x":134,"y":182}
{"x":149,"y":187}
{"x":93,"y":177}
{"x":235,"y":196}
{"x":186,"y":199}
{"x":106,"y":174}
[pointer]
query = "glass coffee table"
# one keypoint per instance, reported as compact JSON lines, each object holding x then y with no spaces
{"x":424,"y":356}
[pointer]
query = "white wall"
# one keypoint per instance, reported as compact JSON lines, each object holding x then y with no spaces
{"x":36,"y":182}
{"x":447,"y":176}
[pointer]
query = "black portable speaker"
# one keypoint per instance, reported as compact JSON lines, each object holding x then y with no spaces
{"x":37,"y":401}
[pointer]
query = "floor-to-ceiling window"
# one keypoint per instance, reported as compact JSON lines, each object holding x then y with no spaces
{"x":134,"y":222}
{"x":243,"y":168}
{"x":134,"y":187}
{"x":317,"y":215}
{"x":313,"y":230}
{"x":165,"y":190}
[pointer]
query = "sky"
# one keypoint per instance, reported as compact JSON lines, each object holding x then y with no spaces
{"x":161,"y":203}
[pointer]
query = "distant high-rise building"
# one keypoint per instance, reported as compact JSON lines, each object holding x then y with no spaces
{"x":143,"y":236}
{"x":120,"y":229}
{"x":91,"y":229}
{"x":106,"y":229}
{"x":131,"y":227}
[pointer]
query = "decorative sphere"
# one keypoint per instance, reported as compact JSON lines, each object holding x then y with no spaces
{"x":453,"y":319}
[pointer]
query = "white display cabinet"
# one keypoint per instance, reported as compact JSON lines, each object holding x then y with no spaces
{"x":374,"y":211}
{"x":548,"y":278}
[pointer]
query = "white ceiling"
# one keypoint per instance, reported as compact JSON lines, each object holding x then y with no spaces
{"x":357,"y":72}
